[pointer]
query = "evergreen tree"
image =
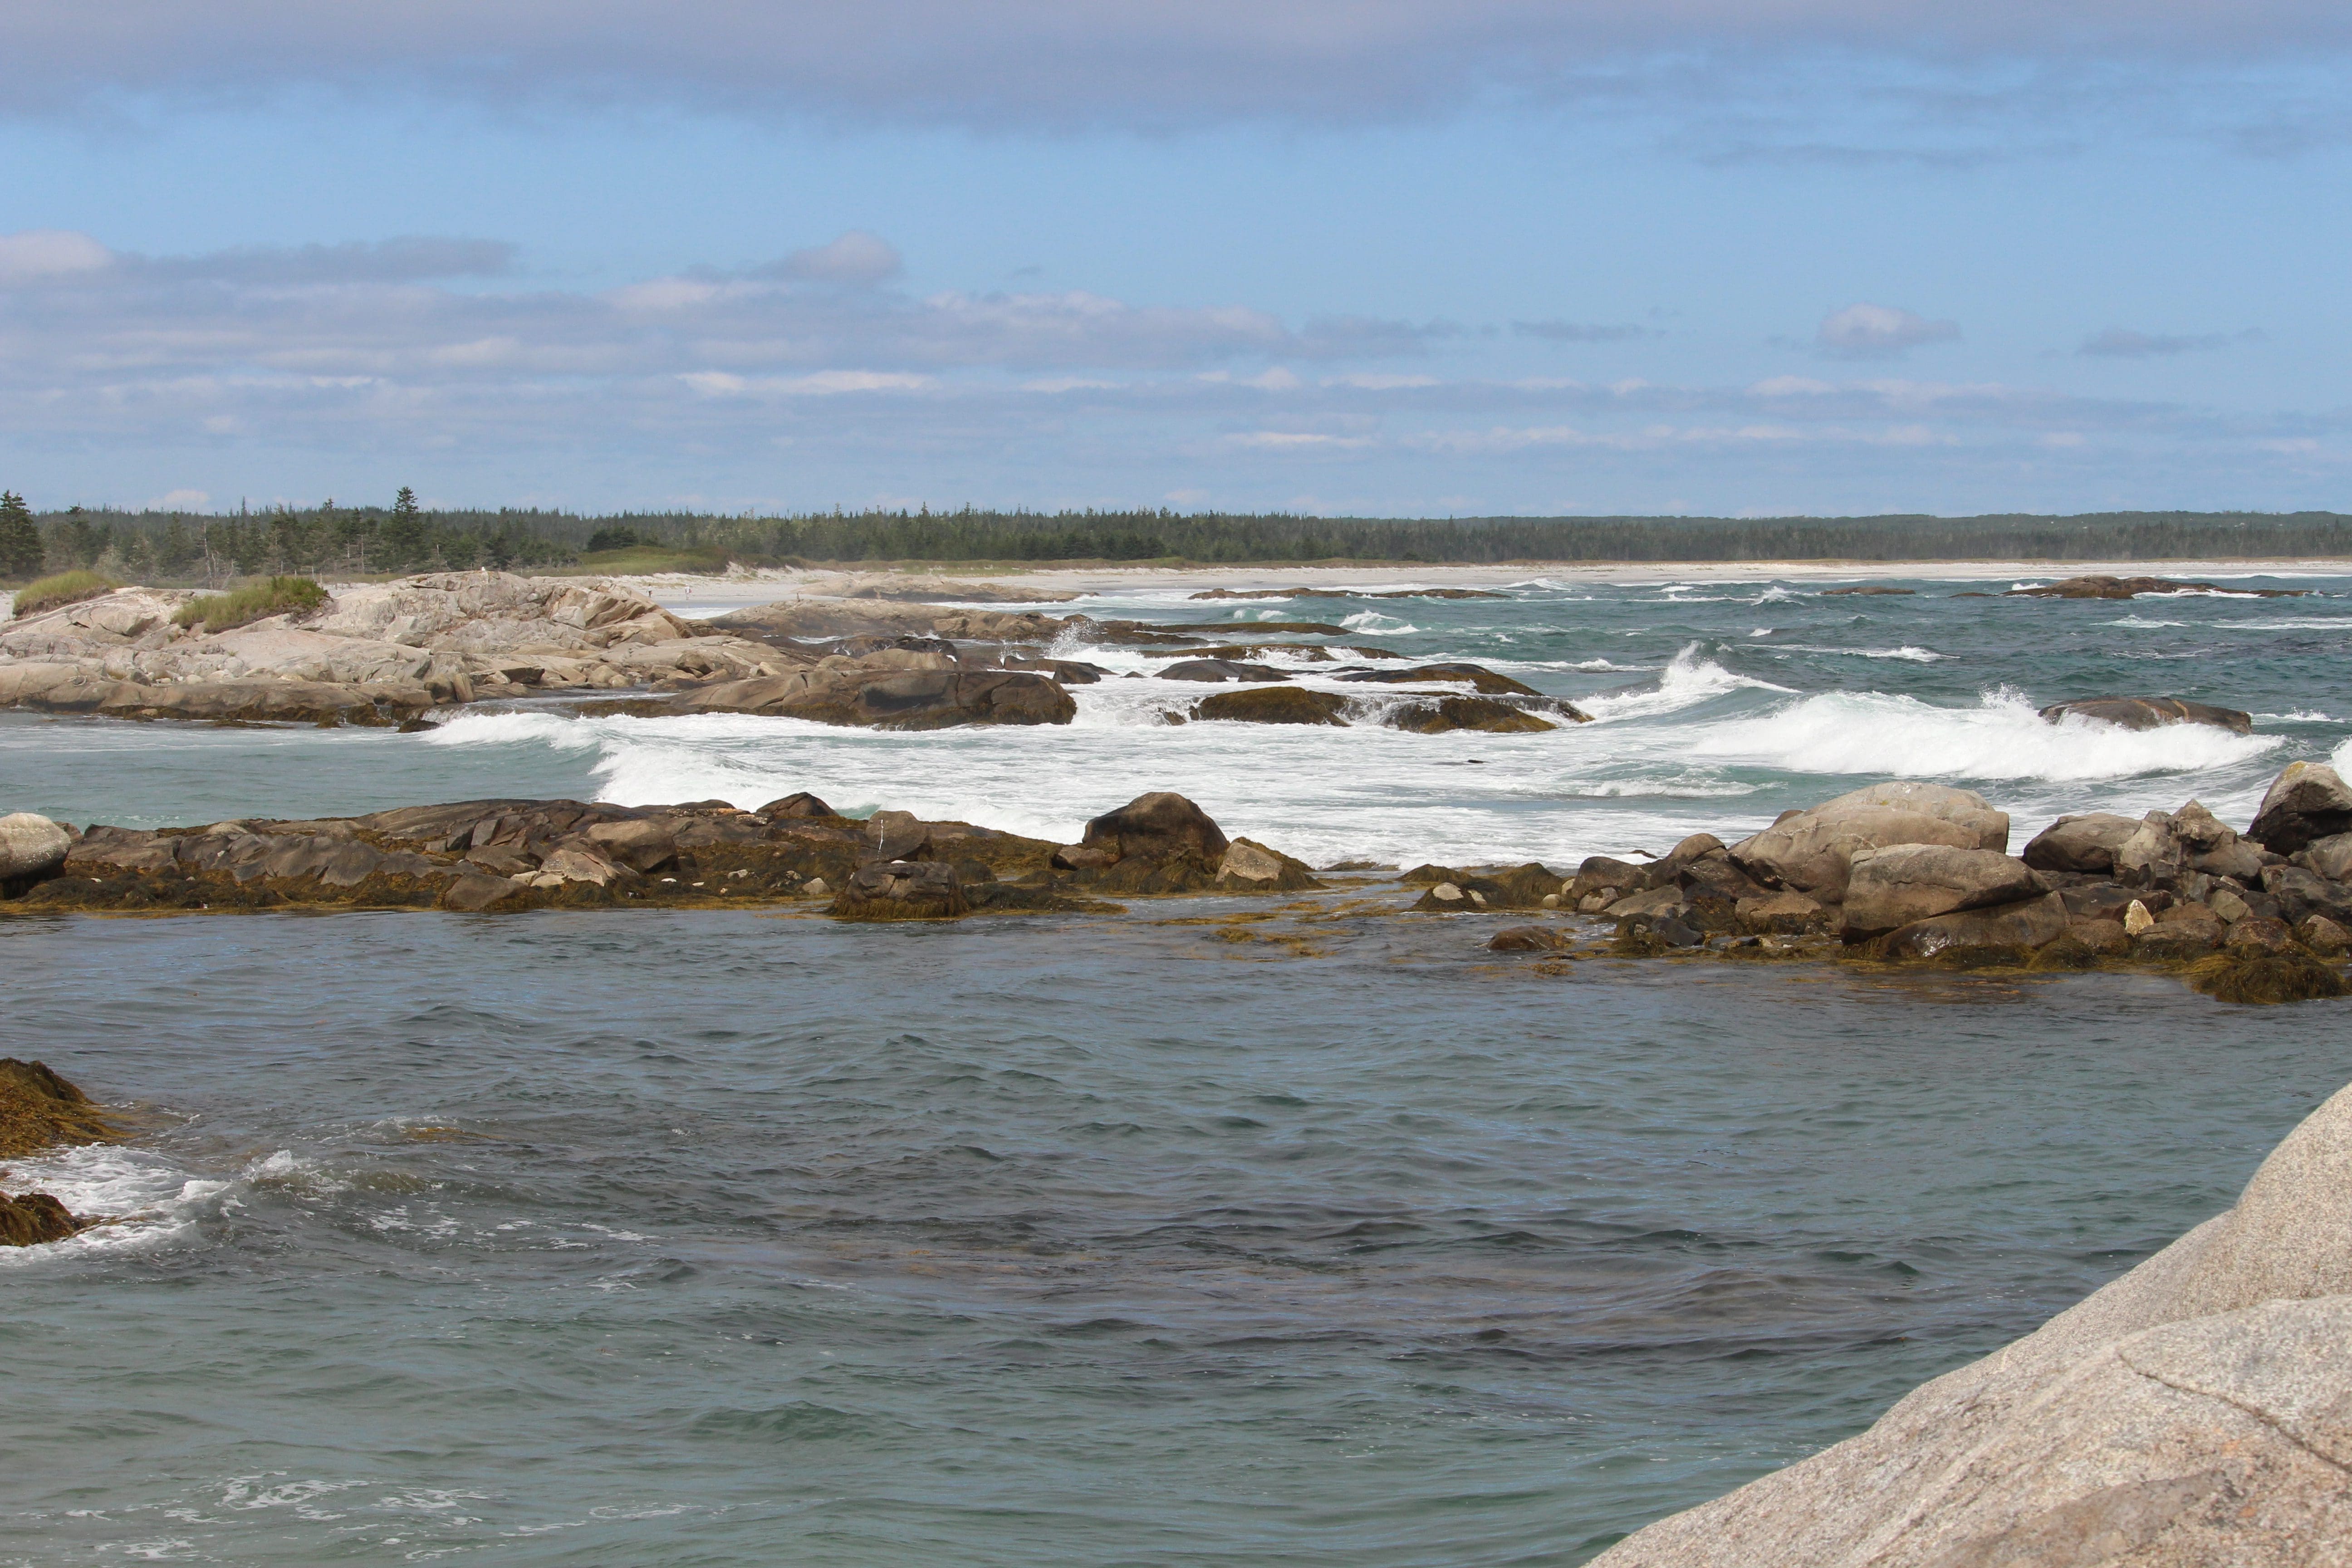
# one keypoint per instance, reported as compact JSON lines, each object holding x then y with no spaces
{"x":404,"y":541}
{"x":20,"y":541}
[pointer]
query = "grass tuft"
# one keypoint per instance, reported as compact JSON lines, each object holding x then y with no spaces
{"x":240,"y":606}
{"x":2265,"y":977}
{"x":58,"y":592}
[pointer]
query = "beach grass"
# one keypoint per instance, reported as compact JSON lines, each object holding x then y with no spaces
{"x":242,"y":605}
{"x":64,"y":588}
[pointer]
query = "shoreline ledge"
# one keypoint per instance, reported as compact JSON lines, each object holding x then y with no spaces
{"x":1900,"y":872}
{"x":38,"y":1111}
{"x":2196,"y":1411}
{"x":397,"y":654}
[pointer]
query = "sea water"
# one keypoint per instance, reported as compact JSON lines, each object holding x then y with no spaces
{"x":729,"y":1238}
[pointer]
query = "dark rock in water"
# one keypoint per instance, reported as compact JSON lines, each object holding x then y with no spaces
{"x":892,"y":698}
{"x":472,"y":893}
{"x":1606,"y":878}
{"x":2097,"y":588}
{"x":1781,"y":914}
{"x":1260,"y":628}
{"x":1274,"y":705}
{"x":2086,"y":843}
{"x":800,"y":804}
{"x":1478,"y":678}
{"x":2307,"y":801}
{"x":1675,"y":932}
{"x":1527,"y":939}
{"x":2265,"y":933}
{"x":1481,"y":713}
{"x":2256,"y":976}
{"x":39,"y":1110}
{"x":2149,"y":712}
{"x":1219,"y":669}
{"x":34,"y":1218}
{"x":1870,"y":588}
{"x":900,"y":890}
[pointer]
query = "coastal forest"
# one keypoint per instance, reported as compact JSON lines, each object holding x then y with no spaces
{"x":402,"y":535}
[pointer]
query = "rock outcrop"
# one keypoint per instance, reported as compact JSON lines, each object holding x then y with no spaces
{"x":30,"y":846}
{"x":892,"y":696}
{"x":1910,"y":882}
{"x":2196,"y":1411}
{"x":39,"y":1110}
{"x":2150,"y":712}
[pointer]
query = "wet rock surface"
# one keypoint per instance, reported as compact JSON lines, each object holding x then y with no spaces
{"x":2151,"y":712}
{"x":2099,"y":587}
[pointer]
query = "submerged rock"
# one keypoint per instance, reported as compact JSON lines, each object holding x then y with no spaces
{"x":2196,"y":1411}
{"x":2150,"y":712}
{"x":1481,"y":713}
{"x":2098,"y":587}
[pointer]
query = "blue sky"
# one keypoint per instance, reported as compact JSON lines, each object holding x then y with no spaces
{"x":1379,"y":258}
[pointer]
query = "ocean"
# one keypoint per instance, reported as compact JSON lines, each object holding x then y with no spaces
{"x":736,"y":1238}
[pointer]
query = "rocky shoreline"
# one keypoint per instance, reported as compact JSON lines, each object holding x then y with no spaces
{"x":1900,"y":872}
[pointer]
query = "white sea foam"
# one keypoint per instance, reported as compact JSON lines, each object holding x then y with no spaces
{"x":2142,"y":623}
{"x":2003,"y":737}
{"x":1377,"y":624}
{"x":2295,"y":624}
{"x":146,"y":1198}
{"x":2340,"y":759}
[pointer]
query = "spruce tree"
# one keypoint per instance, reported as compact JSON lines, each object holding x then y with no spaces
{"x":20,"y":540}
{"x":403,"y":535}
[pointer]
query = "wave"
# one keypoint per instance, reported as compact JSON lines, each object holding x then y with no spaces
{"x":1909,"y":653}
{"x":2142,"y":623}
{"x":1379,"y":625}
{"x":1691,"y":677}
{"x":2295,"y":624}
{"x":2003,"y":737}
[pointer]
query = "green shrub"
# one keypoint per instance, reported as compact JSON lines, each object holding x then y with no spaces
{"x":64,"y":588}
{"x":239,"y":606}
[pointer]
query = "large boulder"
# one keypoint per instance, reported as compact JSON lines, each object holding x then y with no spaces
{"x":1811,"y":851}
{"x":2330,"y":857}
{"x":2149,"y":712}
{"x":2307,"y":801}
{"x":2085,"y":844}
{"x":2196,"y":1411}
{"x":1894,"y":887}
{"x":1158,"y":826}
{"x":31,"y":846}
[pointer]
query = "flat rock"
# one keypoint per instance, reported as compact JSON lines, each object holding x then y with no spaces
{"x":1908,"y":882}
{"x":2004,"y":933}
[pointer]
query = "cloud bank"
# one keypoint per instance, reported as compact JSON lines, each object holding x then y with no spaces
{"x":1151,"y":64}
{"x":797,"y":382}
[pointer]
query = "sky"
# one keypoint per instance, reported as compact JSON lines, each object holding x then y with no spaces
{"x":1379,"y":258}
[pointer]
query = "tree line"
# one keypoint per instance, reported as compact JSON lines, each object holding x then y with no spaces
{"x":404,"y":536}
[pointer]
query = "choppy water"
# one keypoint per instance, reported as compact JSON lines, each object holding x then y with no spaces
{"x":724,"y":1239}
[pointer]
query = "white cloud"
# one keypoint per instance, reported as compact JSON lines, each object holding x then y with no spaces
{"x":856,"y":257}
{"x":1878,"y":332}
{"x":43,"y":253}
